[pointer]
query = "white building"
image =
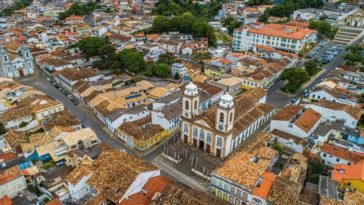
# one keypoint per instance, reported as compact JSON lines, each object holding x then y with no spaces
{"x":332,"y":155}
{"x":12,"y":182}
{"x":335,"y":94}
{"x":221,"y":128}
{"x":296,"y":120}
{"x":15,"y":60}
{"x":284,"y":37}
{"x":336,"y":111}
{"x":118,"y":116}
{"x":178,"y":68}
{"x":77,"y":185}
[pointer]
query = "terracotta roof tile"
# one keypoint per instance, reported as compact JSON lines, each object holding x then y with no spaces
{"x":341,"y":153}
{"x":114,"y":172}
{"x":9,"y":175}
{"x":288,"y":112}
{"x":307,"y":120}
{"x":348,"y":172}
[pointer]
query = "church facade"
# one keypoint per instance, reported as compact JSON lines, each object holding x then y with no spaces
{"x":15,"y":60}
{"x":222,"y":128}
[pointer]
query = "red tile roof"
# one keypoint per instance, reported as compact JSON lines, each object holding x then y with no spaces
{"x":5,"y":200}
{"x":154,"y":185}
{"x":348,"y":172}
{"x":341,"y":153}
{"x":9,"y":175}
{"x":281,"y":30}
{"x":307,"y":120}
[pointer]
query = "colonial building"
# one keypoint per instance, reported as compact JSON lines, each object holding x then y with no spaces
{"x":15,"y":60}
{"x":284,"y":37}
{"x":221,"y":128}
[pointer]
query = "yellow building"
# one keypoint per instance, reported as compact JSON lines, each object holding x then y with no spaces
{"x":349,"y":176}
{"x":141,"y":134}
{"x":213,"y":71}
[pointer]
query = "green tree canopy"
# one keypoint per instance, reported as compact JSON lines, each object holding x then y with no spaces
{"x":296,"y":77}
{"x":354,"y":49}
{"x":161,"y":70}
{"x":79,"y":9}
{"x":2,"y":129}
{"x":95,"y":46}
{"x":231,"y":23}
{"x":287,"y":7}
{"x":311,"y":67}
{"x":132,"y":60}
{"x":19,"y":4}
{"x":323,"y":28}
{"x":185,"y":23}
{"x":177,"y":7}
{"x":177,"y":76}
{"x":258,"y":2}
{"x":166,"y":59}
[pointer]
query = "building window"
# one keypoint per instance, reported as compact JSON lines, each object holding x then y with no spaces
{"x":220,"y":184}
{"x":231,"y":117}
{"x":195,"y":132}
{"x":324,"y":155}
{"x":238,"y":193}
{"x":226,"y":187}
{"x":187,"y":105}
{"x":185,"y":128}
{"x":208,"y":138}
{"x":5,"y":58}
{"x":213,"y":192}
{"x":195,"y":104}
{"x":232,"y":190}
{"x":337,"y":159}
{"x":221,"y":118}
{"x":231,"y":200}
{"x":219,"y":142}
{"x":202,"y":134}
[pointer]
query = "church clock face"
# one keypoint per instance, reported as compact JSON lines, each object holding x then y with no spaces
{"x":186,"y":114}
{"x":221,"y":127}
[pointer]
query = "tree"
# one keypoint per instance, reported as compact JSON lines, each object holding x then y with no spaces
{"x":176,"y":76}
{"x":258,"y":2}
{"x":311,"y":67}
{"x":354,"y":49}
{"x":287,"y":7}
{"x":296,"y":77}
{"x":352,"y":58}
{"x":161,"y":70}
{"x":314,"y":169}
{"x":79,"y":9}
{"x":323,"y":28}
{"x":19,"y":4}
{"x":231,"y":24}
{"x":2,"y":129}
{"x":132,"y":60}
{"x":185,"y":23}
{"x":166,"y":59}
{"x":95,"y":46}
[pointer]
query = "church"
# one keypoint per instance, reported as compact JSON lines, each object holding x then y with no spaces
{"x":15,"y":60}
{"x":222,"y":128}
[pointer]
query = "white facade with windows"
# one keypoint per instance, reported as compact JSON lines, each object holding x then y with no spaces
{"x":331,"y":160}
{"x":334,"y":114}
{"x":232,"y":192}
{"x":16,"y":63}
{"x":323,"y":94}
{"x":214,"y":131}
{"x":244,"y":39}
